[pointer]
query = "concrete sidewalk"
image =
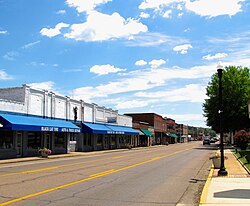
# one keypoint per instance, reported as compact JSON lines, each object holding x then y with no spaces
{"x":233,"y":189}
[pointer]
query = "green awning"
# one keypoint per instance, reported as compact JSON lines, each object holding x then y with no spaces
{"x":147,"y":132}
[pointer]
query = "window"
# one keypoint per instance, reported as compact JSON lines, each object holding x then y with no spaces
{"x":60,"y":140}
{"x":6,"y":140}
{"x":99,"y":140}
{"x":89,"y":139}
{"x":72,"y":137}
{"x":34,"y":140}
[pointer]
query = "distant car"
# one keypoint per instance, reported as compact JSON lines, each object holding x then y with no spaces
{"x":213,"y":140}
{"x":206,"y":141}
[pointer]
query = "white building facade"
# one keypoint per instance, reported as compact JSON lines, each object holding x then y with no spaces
{"x":32,"y":119}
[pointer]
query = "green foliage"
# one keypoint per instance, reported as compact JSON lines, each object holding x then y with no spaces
{"x":235,"y":95}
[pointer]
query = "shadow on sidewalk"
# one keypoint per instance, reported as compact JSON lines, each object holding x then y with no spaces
{"x":237,"y":193}
{"x":210,"y":147}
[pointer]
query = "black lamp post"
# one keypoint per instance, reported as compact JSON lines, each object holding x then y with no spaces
{"x":222,"y":171}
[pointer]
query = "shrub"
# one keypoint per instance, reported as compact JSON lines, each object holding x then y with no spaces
{"x":242,"y":138}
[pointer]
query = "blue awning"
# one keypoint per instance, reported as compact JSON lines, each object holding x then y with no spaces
{"x":30,"y":123}
{"x":122,"y":130}
{"x":95,"y":128}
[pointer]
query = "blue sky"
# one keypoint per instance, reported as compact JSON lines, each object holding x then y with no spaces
{"x":134,"y":55}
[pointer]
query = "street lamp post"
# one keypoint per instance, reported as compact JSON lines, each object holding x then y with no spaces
{"x":222,"y":171}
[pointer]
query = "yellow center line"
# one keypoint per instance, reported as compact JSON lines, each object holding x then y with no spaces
{"x":91,"y":177}
{"x":117,"y":157}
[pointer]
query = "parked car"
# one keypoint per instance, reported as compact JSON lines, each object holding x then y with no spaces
{"x":206,"y":141}
{"x":213,"y":140}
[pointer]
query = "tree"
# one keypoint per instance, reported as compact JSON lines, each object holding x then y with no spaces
{"x":235,"y":95}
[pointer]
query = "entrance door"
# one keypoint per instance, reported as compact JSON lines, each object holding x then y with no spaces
{"x":19,"y":143}
{"x":48,"y":141}
{"x":106,"y":142}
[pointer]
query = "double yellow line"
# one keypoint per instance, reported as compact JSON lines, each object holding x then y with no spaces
{"x":91,"y":177}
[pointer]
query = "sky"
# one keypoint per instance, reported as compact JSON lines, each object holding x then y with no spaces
{"x":134,"y":56}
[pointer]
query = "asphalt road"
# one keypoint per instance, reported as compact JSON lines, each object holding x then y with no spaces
{"x":165,"y":175}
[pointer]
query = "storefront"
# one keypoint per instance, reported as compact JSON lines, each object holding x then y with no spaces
{"x":97,"y":136}
{"x":147,"y":137}
{"x":22,"y":136}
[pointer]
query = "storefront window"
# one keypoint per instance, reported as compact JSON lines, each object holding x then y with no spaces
{"x":99,"y":140}
{"x":34,"y":140}
{"x":6,"y":140}
{"x":60,"y":140}
{"x":89,"y":140}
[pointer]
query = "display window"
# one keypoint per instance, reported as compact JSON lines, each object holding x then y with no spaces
{"x":99,"y":140}
{"x":34,"y":140}
{"x":6,"y":140}
{"x":60,"y":140}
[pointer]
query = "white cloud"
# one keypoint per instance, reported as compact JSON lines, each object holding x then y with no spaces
{"x":105,"y":69}
{"x":167,"y":14}
{"x":213,"y":8}
{"x":210,"y":8}
{"x":86,"y":5}
{"x":38,"y":64}
{"x":142,"y":80}
{"x":131,"y":104}
{"x":156,"y":4}
{"x":61,"y":12}
{"x":180,"y":14}
{"x":154,"y":39}
{"x":182,"y":48}
{"x":86,"y":93}
{"x":29,"y":45}
{"x":157,"y":63}
{"x":191,"y":93}
{"x":216,"y":56}
{"x":43,"y":85}
{"x":100,"y":27}
{"x":140,"y":63}
{"x":144,"y":15}
{"x":4,"y":75}
{"x":185,"y":117}
{"x":53,"y":31}
{"x":3,"y":32}
{"x":11,"y":56}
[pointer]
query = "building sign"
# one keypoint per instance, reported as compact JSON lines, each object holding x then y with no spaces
{"x":58,"y":129}
{"x":115,"y":132}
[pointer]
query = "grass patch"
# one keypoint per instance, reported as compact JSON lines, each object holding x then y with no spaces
{"x":241,"y":157}
{"x":237,"y":155}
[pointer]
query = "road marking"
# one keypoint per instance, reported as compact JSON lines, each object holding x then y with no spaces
{"x":91,"y":177}
{"x":117,"y":157}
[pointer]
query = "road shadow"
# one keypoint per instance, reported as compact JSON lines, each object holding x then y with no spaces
{"x":237,"y":193}
{"x":207,"y":147}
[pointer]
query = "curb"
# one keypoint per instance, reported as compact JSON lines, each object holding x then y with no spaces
{"x":205,"y":188}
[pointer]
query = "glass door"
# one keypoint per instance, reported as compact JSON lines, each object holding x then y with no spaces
{"x":48,"y":141}
{"x":19,"y":142}
{"x":106,"y":142}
